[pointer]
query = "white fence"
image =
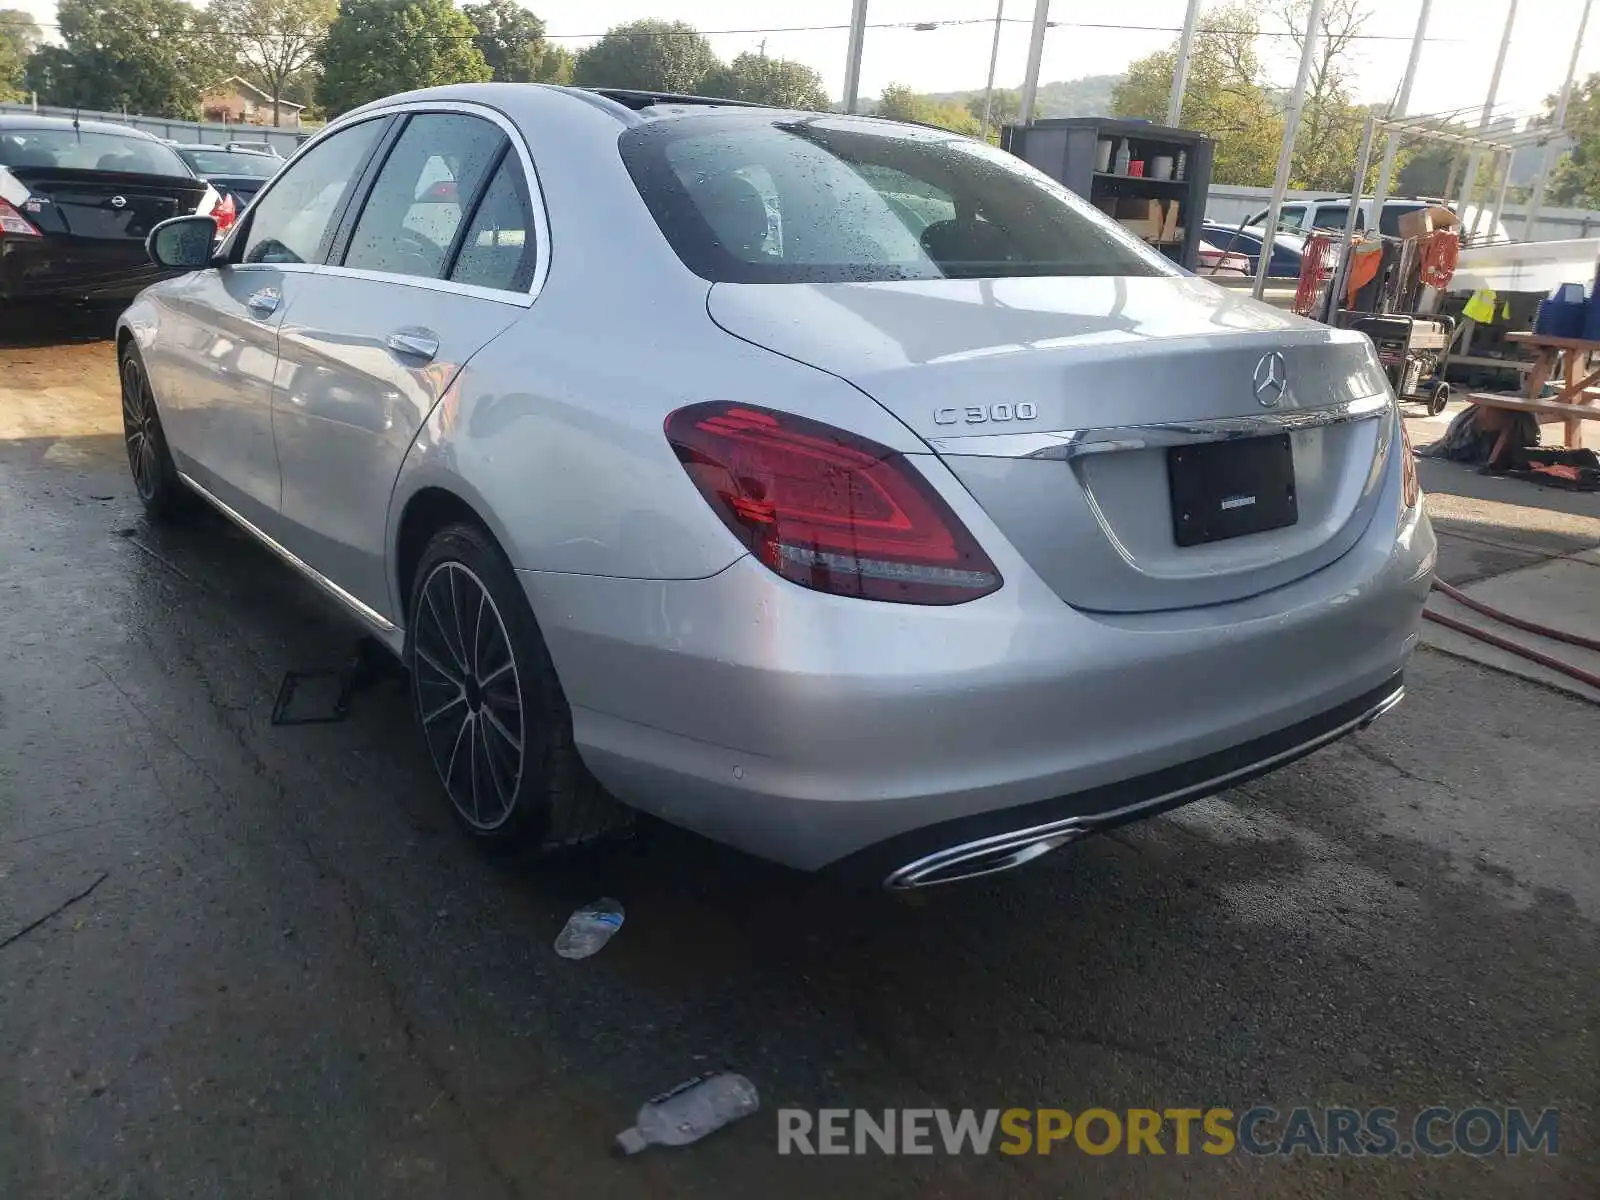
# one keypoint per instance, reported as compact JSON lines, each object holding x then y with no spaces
{"x":285,"y":141}
{"x":1228,"y":205}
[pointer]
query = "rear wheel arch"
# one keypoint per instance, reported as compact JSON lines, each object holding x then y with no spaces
{"x":426,"y":512}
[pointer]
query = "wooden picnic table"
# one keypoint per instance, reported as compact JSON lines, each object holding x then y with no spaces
{"x":1573,"y":404}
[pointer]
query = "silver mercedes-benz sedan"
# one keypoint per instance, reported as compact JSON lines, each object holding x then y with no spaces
{"x":844,"y":490}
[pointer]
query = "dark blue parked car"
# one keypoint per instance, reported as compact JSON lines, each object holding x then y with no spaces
{"x":1286,"y":251}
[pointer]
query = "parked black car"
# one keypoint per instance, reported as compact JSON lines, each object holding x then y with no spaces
{"x":1287,"y":249}
{"x":236,"y":173}
{"x":77,"y":199}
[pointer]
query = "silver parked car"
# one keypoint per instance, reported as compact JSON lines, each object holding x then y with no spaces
{"x":843,"y":490}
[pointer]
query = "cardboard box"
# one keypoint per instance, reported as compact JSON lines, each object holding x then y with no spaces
{"x":1169,"y":222}
{"x":1142,"y":209}
{"x":1421,"y":221}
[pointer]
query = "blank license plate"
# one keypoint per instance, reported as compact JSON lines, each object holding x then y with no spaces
{"x":1228,"y":489}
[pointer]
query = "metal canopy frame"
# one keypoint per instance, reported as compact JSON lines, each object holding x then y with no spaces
{"x":1417,"y":128}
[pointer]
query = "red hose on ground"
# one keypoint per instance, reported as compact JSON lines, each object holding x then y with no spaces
{"x":1527,"y":652}
{"x":1557,"y":635}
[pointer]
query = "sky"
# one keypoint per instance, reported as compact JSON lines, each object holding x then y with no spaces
{"x":1454,"y":73}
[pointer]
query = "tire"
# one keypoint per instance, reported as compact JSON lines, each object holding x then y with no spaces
{"x":155,"y":476}
{"x":1438,"y":399}
{"x":493,"y":716}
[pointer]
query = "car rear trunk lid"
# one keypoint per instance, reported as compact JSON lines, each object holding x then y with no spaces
{"x":1077,"y":410}
{"x":104,"y":205}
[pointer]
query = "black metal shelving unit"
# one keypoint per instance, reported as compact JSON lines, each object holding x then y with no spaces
{"x":1065,"y":148}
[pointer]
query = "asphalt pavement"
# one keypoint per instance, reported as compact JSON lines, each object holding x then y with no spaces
{"x":246,"y":960}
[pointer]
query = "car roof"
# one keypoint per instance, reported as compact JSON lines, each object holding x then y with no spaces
{"x":83,"y":126}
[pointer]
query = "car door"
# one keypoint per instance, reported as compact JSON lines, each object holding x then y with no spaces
{"x":213,"y":364}
{"x":437,"y":257}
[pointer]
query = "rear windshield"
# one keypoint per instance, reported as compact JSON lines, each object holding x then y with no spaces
{"x":85,"y":151}
{"x":226,"y":162}
{"x":832,"y":199}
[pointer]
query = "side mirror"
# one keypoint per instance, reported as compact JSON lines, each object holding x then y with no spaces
{"x":182,"y":243}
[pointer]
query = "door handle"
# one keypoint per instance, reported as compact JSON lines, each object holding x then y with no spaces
{"x":420,"y":344}
{"x":264,"y":302}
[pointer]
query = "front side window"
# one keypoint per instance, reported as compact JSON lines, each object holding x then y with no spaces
{"x":435,"y":171}
{"x":1292,"y":216}
{"x":293,"y":221}
{"x":834,"y":199}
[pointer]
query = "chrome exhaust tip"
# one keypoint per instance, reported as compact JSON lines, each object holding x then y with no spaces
{"x":987,"y":856}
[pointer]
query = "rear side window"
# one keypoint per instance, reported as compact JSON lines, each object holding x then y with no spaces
{"x":499,"y":249}
{"x":434,"y":171}
{"x":833,"y":199}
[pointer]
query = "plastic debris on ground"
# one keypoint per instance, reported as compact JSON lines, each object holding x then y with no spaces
{"x":591,"y":927}
{"x":689,"y":1111}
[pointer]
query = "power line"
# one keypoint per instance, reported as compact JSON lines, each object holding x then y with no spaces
{"x":919,"y":26}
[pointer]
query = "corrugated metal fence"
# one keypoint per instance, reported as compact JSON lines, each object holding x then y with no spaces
{"x":284,"y":141}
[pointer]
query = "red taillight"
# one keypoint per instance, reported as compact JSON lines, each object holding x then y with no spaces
{"x":1410,"y":485}
{"x":14,"y":223}
{"x":224,"y":213}
{"x":827,"y":509}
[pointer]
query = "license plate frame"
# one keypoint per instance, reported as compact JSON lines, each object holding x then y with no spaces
{"x":1232,"y":488}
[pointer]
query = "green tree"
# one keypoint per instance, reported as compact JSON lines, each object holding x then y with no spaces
{"x":1328,"y":142}
{"x":1004,"y":107}
{"x":900,"y":103}
{"x":19,"y":38}
{"x":649,"y":55}
{"x":557,"y":65}
{"x":275,"y":41}
{"x":376,"y":48}
{"x":147,"y":56}
{"x":763,"y":80}
{"x":1225,"y":97}
{"x":513,"y":43}
{"x":1576,"y":180}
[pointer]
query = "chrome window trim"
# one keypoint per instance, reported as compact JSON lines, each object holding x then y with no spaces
{"x":541,"y":218}
{"x":365,"y":611}
{"x":1068,"y":444}
{"x":498,"y":295}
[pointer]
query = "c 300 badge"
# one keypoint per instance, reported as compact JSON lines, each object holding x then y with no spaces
{"x":985,"y":414}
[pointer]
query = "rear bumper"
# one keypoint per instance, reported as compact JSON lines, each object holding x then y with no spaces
{"x":809,"y":729}
{"x":74,"y":269}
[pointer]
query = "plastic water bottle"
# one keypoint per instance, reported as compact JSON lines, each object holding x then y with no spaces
{"x":591,"y":927}
{"x":689,"y":1111}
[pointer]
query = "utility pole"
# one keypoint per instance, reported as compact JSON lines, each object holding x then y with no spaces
{"x":1030,"y":82}
{"x":852,"y":62}
{"x":1180,"y":71}
{"x":1470,"y":182}
{"x":1291,"y":127}
{"x":763,"y":47}
{"x":1549,"y":159}
{"x":994,"y":58}
{"x":1402,"y":104}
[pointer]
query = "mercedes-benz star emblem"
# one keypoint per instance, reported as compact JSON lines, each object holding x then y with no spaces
{"x":119,"y":202}
{"x":1271,"y":380}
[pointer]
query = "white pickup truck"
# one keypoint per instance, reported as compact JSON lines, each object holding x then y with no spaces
{"x":1331,"y":212}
